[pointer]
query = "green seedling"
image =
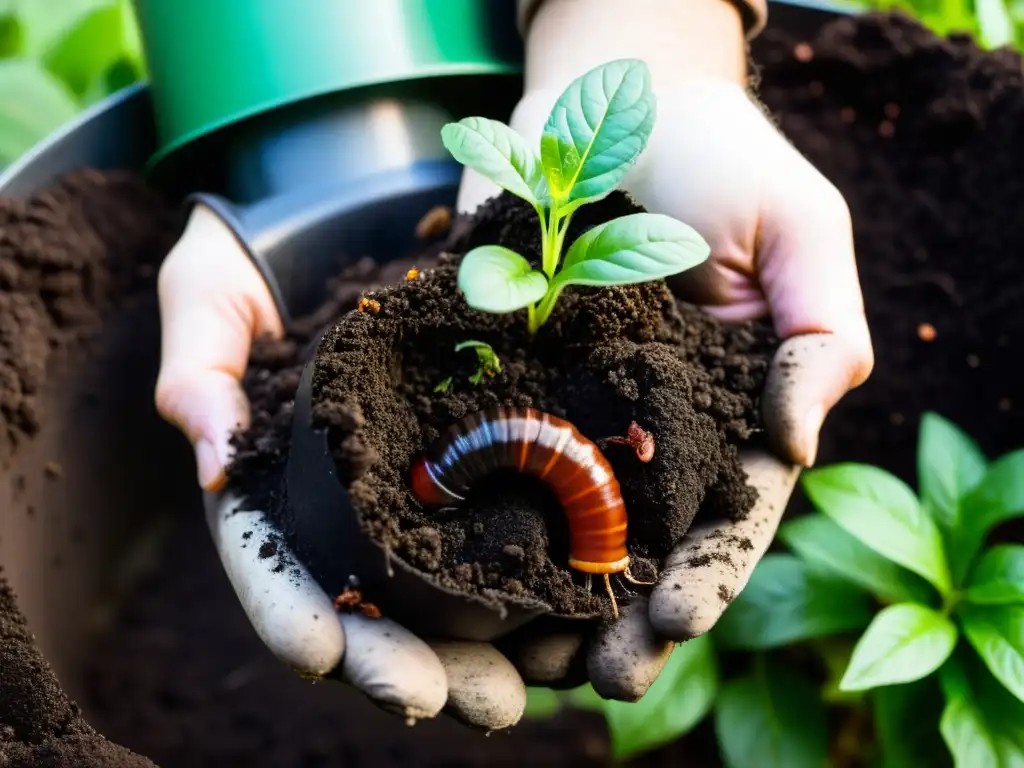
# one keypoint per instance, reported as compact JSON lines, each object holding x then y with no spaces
{"x":488,"y":363}
{"x":593,"y":137}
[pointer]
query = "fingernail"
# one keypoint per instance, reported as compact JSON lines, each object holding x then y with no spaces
{"x":811,"y":429}
{"x":210,"y":467}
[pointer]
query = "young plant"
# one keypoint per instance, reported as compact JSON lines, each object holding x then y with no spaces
{"x":923,"y":558}
{"x":488,"y":363}
{"x":594,"y":135}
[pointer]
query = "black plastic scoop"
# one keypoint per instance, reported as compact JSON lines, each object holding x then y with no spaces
{"x":334,"y":547}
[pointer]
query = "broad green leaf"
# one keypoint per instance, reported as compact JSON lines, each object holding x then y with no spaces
{"x":997,"y":634}
{"x":994,"y":23}
{"x":771,"y":719}
{"x":87,"y":49}
{"x":597,"y":129}
{"x":46,"y":22}
{"x":541,"y":703}
{"x":785,"y":602}
{"x":497,"y":279}
{"x":999,"y":577}
{"x":826,"y":547}
{"x":907,"y":724}
{"x":678,"y":700}
{"x":497,"y":152}
{"x":997,"y":498}
{"x":981,"y":725}
{"x":905,"y":642}
{"x":33,"y":104}
{"x":949,"y":464}
{"x":967,"y":736}
{"x":632,"y":249}
{"x":882,"y":511}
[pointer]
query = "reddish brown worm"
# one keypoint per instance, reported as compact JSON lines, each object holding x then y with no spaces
{"x":549,"y":448}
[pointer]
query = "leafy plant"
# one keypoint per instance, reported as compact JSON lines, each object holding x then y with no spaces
{"x":488,"y":363}
{"x":593,"y":137}
{"x":951,"y":607}
{"x":58,"y":57}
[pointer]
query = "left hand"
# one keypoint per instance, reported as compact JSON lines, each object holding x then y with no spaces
{"x":781,"y":245}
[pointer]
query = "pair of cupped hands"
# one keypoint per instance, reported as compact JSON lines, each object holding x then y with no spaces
{"x":781,"y":245}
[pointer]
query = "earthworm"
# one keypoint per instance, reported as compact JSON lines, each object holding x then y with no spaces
{"x":551,"y":449}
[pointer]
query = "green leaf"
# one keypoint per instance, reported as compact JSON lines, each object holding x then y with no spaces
{"x":981,"y":726}
{"x":678,"y":700}
{"x":12,"y":35}
{"x":541,"y":703}
{"x":882,"y":512}
{"x":905,"y":642}
{"x":997,"y":634}
{"x":88,"y":48}
{"x":999,"y":577}
{"x":997,"y":498}
{"x":949,"y":464}
{"x":488,"y":362}
{"x":771,"y":719}
{"x":994,"y":23}
{"x":497,"y":152}
{"x":32,"y":105}
{"x":497,"y":279}
{"x":785,"y":601}
{"x":827,"y":548}
{"x":597,"y":130}
{"x":586,"y":698}
{"x":967,"y":735}
{"x":907,"y":724}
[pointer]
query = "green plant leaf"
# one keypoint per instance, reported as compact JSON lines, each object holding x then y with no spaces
{"x":488,"y":362}
{"x":497,"y":279}
{"x":827,"y":548}
{"x":785,"y":602}
{"x":33,"y":104}
{"x":541,"y":703}
{"x":632,"y":249}
{"x":12,"y":34}
{"x":905,"y":642}
{"x":678,"y":700}
{"x":597,"y":129}
{"x":771,"y":719}
{"x":88,"y":48}
{"x":586,"y":698}
{"x":997,"y":634}
{"x":995,"y":27}
{"x":981,"y":726}
{"x":882,"y":512}
{"x":907,"y":724}
{"x":999,"y":577}
{"x":997,"y":498}
{"x":949,"y":464}
{"x":497,"y":152}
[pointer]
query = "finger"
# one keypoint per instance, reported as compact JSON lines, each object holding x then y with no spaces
{"x":212,"y":303}
{"x":807,"y":269}
{"x":808,"y":375}
{"x":484,"y":689}
{"x":392,"y":666}
{"x":548,"y":653}
{"x":714,"y":561}
{"x":627,"y":655}
{"x":289,"y":611}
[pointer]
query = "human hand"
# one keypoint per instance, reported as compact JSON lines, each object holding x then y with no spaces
{"x":213,"y":303}
{"x":781,"y":245}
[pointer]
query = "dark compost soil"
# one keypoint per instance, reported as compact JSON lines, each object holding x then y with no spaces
{"x":605,"y":357}
{"x":921,"y":137}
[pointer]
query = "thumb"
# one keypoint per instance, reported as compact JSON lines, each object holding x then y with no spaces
{"x":213,"y":302}
{"x":808,"y":273}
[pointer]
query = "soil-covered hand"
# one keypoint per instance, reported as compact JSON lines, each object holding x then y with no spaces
{"x":781,"y":246}
{"x":213,"y":304}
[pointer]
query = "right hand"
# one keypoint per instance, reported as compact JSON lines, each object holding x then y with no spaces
{"x":213,"y":303}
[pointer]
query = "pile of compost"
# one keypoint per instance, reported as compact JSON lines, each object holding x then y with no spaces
{"x":919,"y":134}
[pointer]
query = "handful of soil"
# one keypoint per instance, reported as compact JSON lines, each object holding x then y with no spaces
{"x":605,"y":358}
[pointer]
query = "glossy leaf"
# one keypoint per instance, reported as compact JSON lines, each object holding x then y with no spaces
{"x":678,"y":700}
{"x":997,"y":498}
{"x":771,"y":719}
{"x":33,"y":104}
{"x":999,"y":577}
{"x":498,"y":153}
{"x":997,"y":634}
{"x":907,"y":724}
{"x":88,"y":48}
{"x":632,"y":249}
{"x":597,"y":130}
{"x":827,"y":548}
{"x":785,"y":602}
{"x":981,"y":726}
{"x":882,"y":512}
{"x":497,"y":279}
{"x":905,"y":642}
{"x":949,"y":464}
